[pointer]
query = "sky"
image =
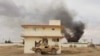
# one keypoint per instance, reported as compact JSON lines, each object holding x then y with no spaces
{"x":13,"y":13}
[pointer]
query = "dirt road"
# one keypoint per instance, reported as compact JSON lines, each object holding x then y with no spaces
{"x":18,"y":51}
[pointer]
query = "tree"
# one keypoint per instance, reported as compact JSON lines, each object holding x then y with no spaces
{"x":8,"y":41}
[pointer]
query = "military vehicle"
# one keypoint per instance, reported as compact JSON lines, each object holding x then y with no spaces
{"x":45,"y":48}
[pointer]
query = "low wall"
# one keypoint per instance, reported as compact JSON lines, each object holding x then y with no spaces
{"x":11,"y":44}
{"x":75,"y":45}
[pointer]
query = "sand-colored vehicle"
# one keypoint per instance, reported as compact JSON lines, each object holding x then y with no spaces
{"x":44,"y":47}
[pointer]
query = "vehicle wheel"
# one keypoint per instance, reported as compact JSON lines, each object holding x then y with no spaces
{"x":38,"y":51}
{"x":54,"y":51}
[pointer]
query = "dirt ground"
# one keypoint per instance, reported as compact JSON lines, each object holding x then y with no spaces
{"x":18,"y":51}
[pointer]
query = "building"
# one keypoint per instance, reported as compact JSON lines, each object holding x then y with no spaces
{"x":35,"y":33}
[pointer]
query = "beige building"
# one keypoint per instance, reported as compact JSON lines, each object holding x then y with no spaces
{"x":33,"y":33}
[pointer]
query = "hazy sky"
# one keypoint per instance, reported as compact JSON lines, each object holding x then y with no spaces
{"x":15,"y":12}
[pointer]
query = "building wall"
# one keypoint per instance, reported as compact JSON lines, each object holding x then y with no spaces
{"x":54,"y":22}
{"x":29,"y":43}
{"x":40,"y":31}
{"x":32,"y":31}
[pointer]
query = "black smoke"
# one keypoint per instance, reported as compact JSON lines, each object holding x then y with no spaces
{"x":77,"y":30}
{"x":12,"y":16}
{"x":61,"y":13}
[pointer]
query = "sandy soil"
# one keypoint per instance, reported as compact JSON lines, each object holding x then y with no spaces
{"x":18,"y":51}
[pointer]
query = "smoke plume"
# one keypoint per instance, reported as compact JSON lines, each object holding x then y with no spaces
{"x":41,"y":11}
{"x":61,"y":12}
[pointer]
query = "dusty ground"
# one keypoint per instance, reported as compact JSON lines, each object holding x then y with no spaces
{"x":18,"y":51}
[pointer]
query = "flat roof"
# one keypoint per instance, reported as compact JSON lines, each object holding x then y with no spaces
{"x":59,"y":26}
{"x":43,"y":36}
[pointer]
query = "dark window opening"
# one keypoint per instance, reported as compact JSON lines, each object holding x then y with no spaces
{"x":53,"y":28}
{"x":55,"y":39}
